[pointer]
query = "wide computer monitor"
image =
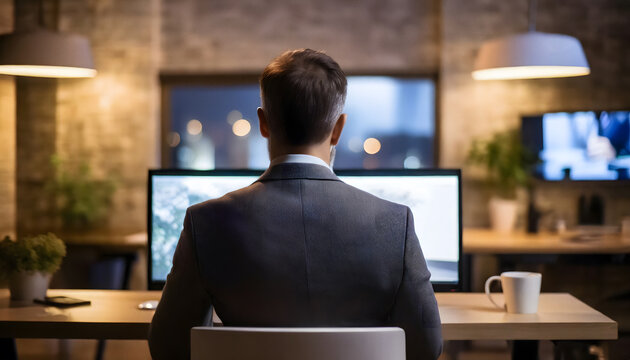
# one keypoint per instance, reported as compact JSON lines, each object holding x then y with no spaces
{"x":434,"y":197}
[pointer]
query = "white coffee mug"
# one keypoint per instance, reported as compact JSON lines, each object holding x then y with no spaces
{"x":521,"y":290}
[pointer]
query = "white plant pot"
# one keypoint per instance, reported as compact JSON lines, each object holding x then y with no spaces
{"x":26,"y":286}
{"x":503,"y":213}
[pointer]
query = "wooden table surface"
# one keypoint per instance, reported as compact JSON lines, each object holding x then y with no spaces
{"x":485,"y":241}
{"x":113,"y":314}
{"x":465,"y":316}
{"x":108,"y":240}
{"x":561,"y":316}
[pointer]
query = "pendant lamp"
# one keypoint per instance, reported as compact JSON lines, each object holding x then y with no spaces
{"x":531,"y":55}
{"x":45,"y":53}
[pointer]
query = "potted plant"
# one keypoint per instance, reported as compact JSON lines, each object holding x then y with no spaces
{"x":83,"y":201}
{"x":508,"y":166}
{"x":29,"y":263}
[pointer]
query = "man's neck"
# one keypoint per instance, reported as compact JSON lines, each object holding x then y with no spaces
{"x":319,"y":150}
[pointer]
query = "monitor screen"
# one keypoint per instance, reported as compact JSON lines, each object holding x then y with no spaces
{"x":434,"y":197}
{"x":582,"y":145}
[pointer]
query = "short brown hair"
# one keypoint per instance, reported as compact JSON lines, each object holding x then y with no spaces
{"x":303,"y":93}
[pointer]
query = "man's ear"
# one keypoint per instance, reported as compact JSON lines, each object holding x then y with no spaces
{"x":262,"y":123}
{"x":336,"y":133}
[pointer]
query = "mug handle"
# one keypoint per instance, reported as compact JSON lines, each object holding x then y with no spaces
{"x":488,"y":282}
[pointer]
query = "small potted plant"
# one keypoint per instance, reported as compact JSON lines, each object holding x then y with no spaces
{"x":29,"y":263}
{"x":82,"y":200}
{"x":508,"y":166}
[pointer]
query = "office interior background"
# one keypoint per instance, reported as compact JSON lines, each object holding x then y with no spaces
{"x":124,"y":121}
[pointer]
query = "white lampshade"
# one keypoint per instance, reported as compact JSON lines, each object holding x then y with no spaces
{"x":45,"y":53}
{"x":530,"y":55}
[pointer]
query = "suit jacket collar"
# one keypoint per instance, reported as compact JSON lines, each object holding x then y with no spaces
{"x":298,"y":171}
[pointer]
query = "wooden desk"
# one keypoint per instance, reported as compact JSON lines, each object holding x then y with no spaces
{"x":106,"y":240}
{"x":485,"y":241}
{"x":471,"y":316}
{"x":465,"y":316}
{"x":114,"y":314}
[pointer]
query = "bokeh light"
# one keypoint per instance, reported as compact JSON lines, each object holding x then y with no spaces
{"x":194,"y":127}
{"x":241,"y":127}
{"x":233,"y":116}
{"x":412,"y":162}
{"x":173,"y":139}
{"x":371,"y":146}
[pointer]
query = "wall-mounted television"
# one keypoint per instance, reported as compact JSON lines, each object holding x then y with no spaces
{"x":580,"y":145}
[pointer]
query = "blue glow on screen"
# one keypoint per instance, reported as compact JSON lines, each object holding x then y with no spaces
{"x":434,"y":201}
{"x":585,"y":145}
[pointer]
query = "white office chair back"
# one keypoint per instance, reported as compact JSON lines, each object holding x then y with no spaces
{"x":240,"y":343}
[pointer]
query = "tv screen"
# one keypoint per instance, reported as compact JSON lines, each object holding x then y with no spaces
{"x":583,"y":145}
{"x":434,"y":197}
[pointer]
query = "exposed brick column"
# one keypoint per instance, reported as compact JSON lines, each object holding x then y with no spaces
{"x":7,"y":134}
{"x":36,"y":138}
{"x":35,"y":112}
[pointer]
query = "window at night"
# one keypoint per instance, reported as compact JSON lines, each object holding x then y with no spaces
{"x":391,"y":124}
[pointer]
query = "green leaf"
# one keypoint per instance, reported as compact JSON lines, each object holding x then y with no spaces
{"x":43,"y":253}
{"x":506,"y":160}
{"x":82,"y":201}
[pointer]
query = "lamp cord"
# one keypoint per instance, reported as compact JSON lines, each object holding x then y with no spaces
{"x":532,"y":15}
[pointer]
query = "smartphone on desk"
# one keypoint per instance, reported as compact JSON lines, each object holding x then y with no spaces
{"x":62,"y":301}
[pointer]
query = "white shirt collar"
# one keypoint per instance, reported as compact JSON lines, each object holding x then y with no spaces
{"x":298,"y":158}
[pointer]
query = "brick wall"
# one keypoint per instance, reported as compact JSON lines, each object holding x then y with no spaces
{"x":7,"y":155}
{"x":472,"y":108}
{"x":475,"y":108}
{"x":220,"y":35}
{"x":7,"y":134}
{"x":113,"y":119}
{"x":36,"y":100}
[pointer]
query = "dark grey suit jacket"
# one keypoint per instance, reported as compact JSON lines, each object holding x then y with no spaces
{"x":298,"y":248}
